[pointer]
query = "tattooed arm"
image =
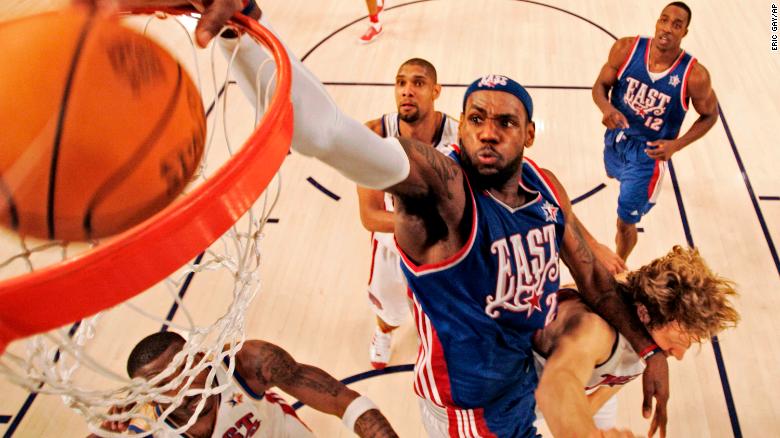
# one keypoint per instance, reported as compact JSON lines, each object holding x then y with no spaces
{"x":430,"y":204}
{"x":264,"y":365}
{"x":597,"y":288}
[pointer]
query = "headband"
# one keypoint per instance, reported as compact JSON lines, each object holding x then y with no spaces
{"x":501,"y":83}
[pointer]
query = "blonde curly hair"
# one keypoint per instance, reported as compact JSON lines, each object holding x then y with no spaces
{"x":681,"y":287}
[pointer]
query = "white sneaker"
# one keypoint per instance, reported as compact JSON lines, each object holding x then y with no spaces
{"x":380,"y":349}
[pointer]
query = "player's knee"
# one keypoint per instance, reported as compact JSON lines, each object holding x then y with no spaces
{"x":625,"y":227}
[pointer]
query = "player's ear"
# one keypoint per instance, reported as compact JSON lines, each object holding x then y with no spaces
{"x":530,"y":134}
{"x":436,"y":91}
{"x":643,"y":314}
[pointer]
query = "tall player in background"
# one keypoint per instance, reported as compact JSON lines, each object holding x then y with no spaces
{"x":643,"y":92}
{"x":416,"y":90}
{"x":375,"y":28}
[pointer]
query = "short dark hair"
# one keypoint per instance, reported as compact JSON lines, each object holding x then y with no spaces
{"x":424,"y":64}
{"x":150,"y":348}
{"x":685,"y":8}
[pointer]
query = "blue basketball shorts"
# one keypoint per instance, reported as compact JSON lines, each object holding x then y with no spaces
{"x":640,"y":176}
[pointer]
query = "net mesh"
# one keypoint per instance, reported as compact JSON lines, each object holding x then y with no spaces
{"x":67,"y":361}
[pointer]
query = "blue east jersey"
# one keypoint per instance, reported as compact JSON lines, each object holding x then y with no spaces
{"x":654,"y":105}
{"x":476,"y":312}
{"x":655,"y":108}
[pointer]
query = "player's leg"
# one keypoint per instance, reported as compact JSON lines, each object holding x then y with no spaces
{"x":321,"y":129}
{"x":434,"y":419}
{"x":640,"y":182}
{"x":387,"y":294}
{"x":615,"y":165}
{"x":381,"y":346}
{"x":375,"y":28}
{"x":614,"y":161}
{"x":625,"y":238}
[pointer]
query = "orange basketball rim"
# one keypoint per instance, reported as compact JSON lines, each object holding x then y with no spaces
{"x":76,"y":288}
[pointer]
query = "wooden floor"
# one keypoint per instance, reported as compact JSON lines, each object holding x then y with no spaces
{"x":723,"y":194}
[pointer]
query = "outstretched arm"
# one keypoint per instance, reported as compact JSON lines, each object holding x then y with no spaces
{"x":408,"y":169}
{"x":597,"y":288}
{"x":428,"y":184}
{"x":264,"y":365}
{"x":706,"y":104}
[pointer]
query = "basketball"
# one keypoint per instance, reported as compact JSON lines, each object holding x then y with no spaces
{"x":101,"y":127}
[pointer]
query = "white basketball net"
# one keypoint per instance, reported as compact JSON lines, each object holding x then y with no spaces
{"x":67,"y":361}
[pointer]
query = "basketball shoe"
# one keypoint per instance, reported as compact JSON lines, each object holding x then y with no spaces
{"x":380,"y":349}
{"x":373,"y":32}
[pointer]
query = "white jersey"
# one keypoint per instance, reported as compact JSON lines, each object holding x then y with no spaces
{"x":242,"y":413}
{"x":622,"y":366}
{"x":445,"y":137}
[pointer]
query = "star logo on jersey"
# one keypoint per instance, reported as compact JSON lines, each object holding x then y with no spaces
{"x":533,"y":303}
{"x":550,"y":212}
{"x":674,"y":80}
{"x":237,"y":399}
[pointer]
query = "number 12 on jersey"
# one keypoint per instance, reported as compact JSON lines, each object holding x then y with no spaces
{"x":654,"y":123}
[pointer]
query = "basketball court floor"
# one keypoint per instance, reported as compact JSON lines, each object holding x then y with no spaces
{"x":722,"y":195}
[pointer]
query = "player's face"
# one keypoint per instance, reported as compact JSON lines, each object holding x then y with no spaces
{"x":672,"y":339}
{"x":415,"y":92}
{"x":671,"y":27}
{"x":188,"y":405}
{"x":494,"y":130}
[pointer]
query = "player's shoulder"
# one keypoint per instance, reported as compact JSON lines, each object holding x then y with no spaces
{"x":625,"y":44}
{"x":375,"y":125}
{"x":549,"y":177}
{"x":699,"y":73}
{"x":450,"y":119}
{"x":584,"y":328}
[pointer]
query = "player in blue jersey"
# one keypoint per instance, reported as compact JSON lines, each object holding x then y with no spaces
{"x":481,"y":235}
{"x":643,"y":92}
